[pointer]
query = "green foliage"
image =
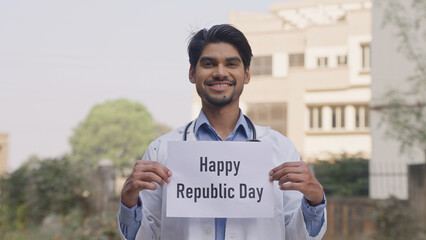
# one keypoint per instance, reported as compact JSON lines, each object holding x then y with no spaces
{"x":395,"y":221}
{"x":118,"y":130}
{"x":49,"y":198}
{"x":13,"y":198}
{"x":74,"y":225}
{"x":343,"y":175}
{"x":39,"y":188}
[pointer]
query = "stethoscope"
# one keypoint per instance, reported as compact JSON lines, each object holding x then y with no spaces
{"x":250,"y":123}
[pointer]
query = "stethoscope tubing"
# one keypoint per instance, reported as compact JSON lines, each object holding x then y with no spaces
{"x":250,"y":123}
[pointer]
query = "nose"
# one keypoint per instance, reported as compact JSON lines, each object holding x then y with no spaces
{"x":220,"y":71}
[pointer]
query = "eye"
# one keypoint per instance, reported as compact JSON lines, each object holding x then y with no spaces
{"x":233,"y":64}
{"x":207,"y":64}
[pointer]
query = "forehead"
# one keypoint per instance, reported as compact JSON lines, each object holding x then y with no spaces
{"x":220,"y":50}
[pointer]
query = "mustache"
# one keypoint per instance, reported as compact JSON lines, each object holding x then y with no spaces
{"x":232,"y":81}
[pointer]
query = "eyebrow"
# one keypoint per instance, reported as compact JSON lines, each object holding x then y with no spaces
{"x":202,"y":59}
{"x":233,"y":59}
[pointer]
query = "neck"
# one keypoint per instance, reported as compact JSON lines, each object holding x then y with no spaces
{"x":222,"y":119}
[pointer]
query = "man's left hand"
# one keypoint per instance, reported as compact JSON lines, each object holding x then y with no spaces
{"x":297,"y":176}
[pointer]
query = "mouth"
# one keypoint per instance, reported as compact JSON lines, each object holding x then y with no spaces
{"x":219,"y":86}
{"x":220,"y":83}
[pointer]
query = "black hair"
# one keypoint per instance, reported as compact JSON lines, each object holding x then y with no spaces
{"x":216,"y":34}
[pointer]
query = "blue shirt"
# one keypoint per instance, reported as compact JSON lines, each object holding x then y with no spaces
{"x":130,"y":218}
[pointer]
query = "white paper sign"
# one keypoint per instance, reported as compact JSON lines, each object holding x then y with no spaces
{"x":220,"y":179}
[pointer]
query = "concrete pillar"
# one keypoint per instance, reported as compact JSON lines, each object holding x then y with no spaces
{"x":350,"y":118}
{"x":315,"y":117}
{"x":307,"y":119}
{"x":417,"y":191}
{"x":280,"y":64}
{"x":361,"y":113}
{"x":326,"y":118}
{"x":103,"y":185}
{"x":338,"y":117}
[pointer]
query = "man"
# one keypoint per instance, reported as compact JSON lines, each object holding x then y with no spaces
{"x":219,"y":67}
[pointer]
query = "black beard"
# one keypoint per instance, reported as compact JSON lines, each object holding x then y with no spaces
{"x":219,"y":102}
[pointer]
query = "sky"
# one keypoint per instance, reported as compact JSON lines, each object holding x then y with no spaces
{"x":60,"y":58}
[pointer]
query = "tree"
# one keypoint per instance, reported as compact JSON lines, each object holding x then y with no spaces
{"x":41,"y":187}
{"x":118,"y":130}
{"x":343,"y":175}
{"x":404,"y":110}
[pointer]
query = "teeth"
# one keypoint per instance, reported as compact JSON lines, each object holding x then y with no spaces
{"x":221,"y":85}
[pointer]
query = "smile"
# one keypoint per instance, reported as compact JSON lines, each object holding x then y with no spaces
{"x":220,"y":84}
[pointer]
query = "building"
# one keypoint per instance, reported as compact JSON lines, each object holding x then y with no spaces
{"x":3,"y":153}
{"x":389,"y":166}
{"x":310,"y":74}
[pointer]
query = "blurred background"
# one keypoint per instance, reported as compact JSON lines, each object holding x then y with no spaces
{"x":85,"y":86}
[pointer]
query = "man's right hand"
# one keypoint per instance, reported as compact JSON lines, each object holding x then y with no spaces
{"x":144,"y":174}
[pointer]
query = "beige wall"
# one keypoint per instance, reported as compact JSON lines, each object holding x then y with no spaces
{"x":388,"y":165}
{"x":301,"y":87}
{"x":3,"y":153}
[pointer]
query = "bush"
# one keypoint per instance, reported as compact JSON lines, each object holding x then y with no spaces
{"x":343,"y":175}
{"x":40,"y":188}
{"x":395,"y":221}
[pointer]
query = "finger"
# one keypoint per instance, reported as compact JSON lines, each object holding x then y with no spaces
{"x":155,"y":167}
{"x":285,"y":165}
{"x":155,"y":174}
{"x":147,"y":186}
{"x":134,"y":184}
{"x":149,"y":177}
{"x":284,"y":171}
{"x":294,"y":178}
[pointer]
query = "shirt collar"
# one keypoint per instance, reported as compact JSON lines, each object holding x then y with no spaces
{"x":241,"y":126}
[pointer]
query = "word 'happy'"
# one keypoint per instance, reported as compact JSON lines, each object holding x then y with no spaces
{"x":228,"y":167}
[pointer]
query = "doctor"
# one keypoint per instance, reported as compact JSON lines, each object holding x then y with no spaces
{"x":220,"y":67}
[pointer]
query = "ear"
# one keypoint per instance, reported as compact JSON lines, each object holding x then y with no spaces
{"x":247,"y":75}
{"x":191,"y":74}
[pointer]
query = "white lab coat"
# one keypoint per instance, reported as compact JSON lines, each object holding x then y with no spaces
{"x":287,"y":222}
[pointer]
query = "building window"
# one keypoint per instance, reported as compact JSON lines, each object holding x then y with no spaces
{"x":338,"y":117}
{"x":342,"y":60}
{"x":261,"y":65}
{"x":361,"y":116}
{"x":315,"y":117}
{"x":366,"y":57}
{"x":296,"y":60}
{"x":269,"y":114}
{"x":322,"y":62}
